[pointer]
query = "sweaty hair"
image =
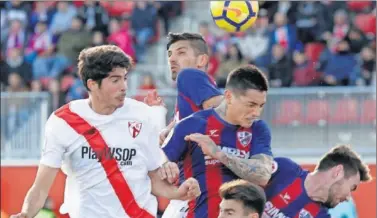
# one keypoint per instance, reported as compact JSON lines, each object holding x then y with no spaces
{"x":252,"y":196}
{"x":246,"y":77}
{"x":350,"y":160}
{"x":196,"y":41}
{"x":97,"y":62}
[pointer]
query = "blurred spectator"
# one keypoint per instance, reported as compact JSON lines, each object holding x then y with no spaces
{"x":255,"y":44}
{"x":206,"y":33}
{"x":16,"y":83}
{"x":303,"y":71}
{"x":280,"y":69}
{"x":368,"y":65}
{"x":284,"y":7}
{"x":283,"y":33}
{"x":232,"y":59}
{"x":342,"y":67}
{"x":95,"y":15}
{"x":76,"y":91}
{"x":17,"y":36}
{"x":214,"y":63}
{"x":143,"y":21}
{"x":120,"y":37}
{"x":40,"y":43}
{"x":167,"y":9}
{"x":63,"y":17}
{"x":98,"y":38}
{"x":309,"y":20}
{"x":15,"y":64}
{"x":41,"y":13}
{"x":18,"y":10}
{"x":147,"y":84}
{"x":340,"y":29}
{"x":357,"y":40}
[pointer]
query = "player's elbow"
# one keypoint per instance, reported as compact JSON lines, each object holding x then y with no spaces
{"x":263,"y":180}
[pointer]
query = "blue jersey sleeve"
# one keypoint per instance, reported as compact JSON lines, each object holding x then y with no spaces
{"x":283,"y":167}
{"x":176,"y":146}
{"x":261,"y":140}
{"x":195,"y":85}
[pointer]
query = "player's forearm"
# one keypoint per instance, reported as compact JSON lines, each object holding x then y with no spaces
{"x":171,"y":125}
{"x":257,"y":169}
{"x":162,"y":188}
{"x":33,"y":202}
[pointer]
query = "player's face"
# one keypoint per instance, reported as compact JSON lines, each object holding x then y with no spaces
{"x":234,"y":209}
{"x":341,"y":190}
{"x":245,"y":108}
{"x":112,"y":91}
{"x":181,"y":55}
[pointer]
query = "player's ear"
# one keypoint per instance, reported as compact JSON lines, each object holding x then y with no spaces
{"x":203,"y":60}
{"x":228,"y":96}
{"x":338,"y":172}
{"x":92,"y":85}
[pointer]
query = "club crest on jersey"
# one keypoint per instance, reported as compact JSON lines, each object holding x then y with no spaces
{"x":244,"y":138}
{"x":304,"y":214}
{"x":134,"y":128}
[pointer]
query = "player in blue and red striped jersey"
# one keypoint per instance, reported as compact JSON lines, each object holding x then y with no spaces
{"x":296,"y":193}
{"x":188,"y":59}
{"x":235,"y":153}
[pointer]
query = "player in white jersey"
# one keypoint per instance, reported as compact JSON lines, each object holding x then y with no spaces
{"x":108,"y":143}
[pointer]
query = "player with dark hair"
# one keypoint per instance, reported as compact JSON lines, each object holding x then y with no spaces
{"x":234,"y":153}
{"x":108,"y":143}
{"x":188,"y":58}
{"x":241,"y":199}
{"x":294,"y":192}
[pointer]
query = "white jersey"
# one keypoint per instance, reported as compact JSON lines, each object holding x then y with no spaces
{"x":108,"y":156}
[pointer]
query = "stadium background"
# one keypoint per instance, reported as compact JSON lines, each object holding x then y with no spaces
{"x":318,"y":56}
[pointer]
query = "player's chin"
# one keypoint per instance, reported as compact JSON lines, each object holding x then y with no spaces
{"x":247,"y":124}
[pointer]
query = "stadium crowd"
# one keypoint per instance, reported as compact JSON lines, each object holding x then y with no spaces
{"x":327,"y":43}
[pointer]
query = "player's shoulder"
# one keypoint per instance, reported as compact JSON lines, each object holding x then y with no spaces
{"x":259,"y":125}
{"x":284,"y":164}
{"x":190,"y":75}
{"x":197,"y":119}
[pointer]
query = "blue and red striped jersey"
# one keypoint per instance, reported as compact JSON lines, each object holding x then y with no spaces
{"x":286,"y":195}
{"x":234,"y":140}
{"x":194,"y":88}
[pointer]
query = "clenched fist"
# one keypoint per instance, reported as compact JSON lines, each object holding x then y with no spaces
{"x":189,"y":190}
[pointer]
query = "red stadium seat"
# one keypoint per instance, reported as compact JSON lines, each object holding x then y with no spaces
{"x":345,"y":111}
{"x":368,"y":112}
{"x":289,"y":113}
{"x":366,"y":23}
{"x":317,"y":112}
{"x":118,"y":8}
{"x":313,"y":51}
{"x":359,"y":5}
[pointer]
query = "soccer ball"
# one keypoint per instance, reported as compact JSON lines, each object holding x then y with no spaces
{"x":234,"y":16}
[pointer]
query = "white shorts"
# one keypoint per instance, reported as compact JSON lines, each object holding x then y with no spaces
{"x":176,"y":209}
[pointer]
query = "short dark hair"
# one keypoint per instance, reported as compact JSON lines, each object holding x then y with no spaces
{"x":97,"y":62}
{"x":246,"y":77}
{"x":349,"y":159}
{"x":251,"y":195}
{"x":196,"y":41}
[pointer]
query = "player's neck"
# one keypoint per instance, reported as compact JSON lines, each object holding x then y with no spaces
{"x":222,"y":111}
{"x":99,"y":107}
{"x":315,"y":186}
